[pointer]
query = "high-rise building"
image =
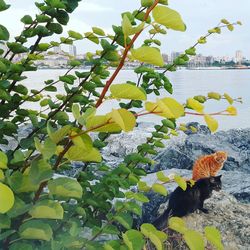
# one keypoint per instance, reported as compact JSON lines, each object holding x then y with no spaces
{"x":72,"y":50}
{"x":174,"y":55}
{"x":238,"y":56}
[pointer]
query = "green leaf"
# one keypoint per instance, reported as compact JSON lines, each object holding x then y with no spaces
{"x":4,"y":33}
{"x":127,"y":91}
{"x":98,"y":31}
{"x":3,"y":5}
{"x":124,"y":118}
{"x":134,"y":208}
{"x":75,"y":35}
{"x":6,"y":198}
{"x":177,"y":224}
{"x":148,"y":55}
{"x":171,"y":19}
{"x":35,"y":230}
{"x":17,"y":48}
{"x":47,"y":209}
{"x":124,"y":219}
{"x":230,"y":27}
{"x":47,"y":149}
{"x":214,"y":95}
{"x":18,"y":208}
{"x":5,"y":221}
{"x":40,"y":171}
{"x":181,"y":182}
{"x":147,"y":3}
{"x":133,"y":239}
{"x":211,"y":123}
{"x":21,"y":246}
{"x":195,"y":105}
{"x":92,"y":37}
{"x":75,"y":63}
{"x":65,"y":187}
{"x":159,"y":188}
{"x":27,"y":19}
{"x":55,"y":27}
{"x":57,"y":135}
{"x":214,"y":237}
{"x":161,"y":177}
{"x":3,"y":160}
{"x":194,"y":240}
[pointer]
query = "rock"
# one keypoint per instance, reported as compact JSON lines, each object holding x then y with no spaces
{"x":236,"y":142}
{"x":234,"y":183}
{"x":230,"y":217}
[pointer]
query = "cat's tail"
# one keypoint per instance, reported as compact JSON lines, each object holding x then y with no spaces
{"x":161,"y":221}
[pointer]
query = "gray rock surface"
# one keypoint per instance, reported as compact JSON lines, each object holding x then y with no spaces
{"x":234,"y":183}
{"x":235,"y":142}
{"x":229,"y":216}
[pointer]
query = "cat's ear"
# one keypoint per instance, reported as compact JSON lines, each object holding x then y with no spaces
{"x":219,"y":176}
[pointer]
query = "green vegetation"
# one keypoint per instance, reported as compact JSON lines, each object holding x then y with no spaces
{"x":40,"y":211}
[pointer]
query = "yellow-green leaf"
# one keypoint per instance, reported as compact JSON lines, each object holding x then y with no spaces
{"x":6,"y":198}
{"x":83,"y":141}
{"x":194,"y":240}
{"x":211,"y":123}
{"x":36,"y":230}
{"x":57,"y":136}
{"x":170,"y":107}
{"x":169,"y":18}
{"x":142,"y":186}
{"x":232,"y":110}
{"x":124,"y":118}
{"x":214,"y":237}
{"x":177,"y":224}
{"x":153,"y":107}
{"x":3,"y":160}
{"x":161,"y":177}
{"x":133,"y":239}
{"x":1,"y":175}
{"x":127,"y":91}
{"x":229,"y":98}
{"x":159,"y":188}
{"x":47,"y":209}
{"x":214,"y":95}
{"x":76,"y":153}
{"x":128,"y":29}
{"x":181,"y":182}
{"x":65,"y":187}
{"x":148,"y":55}
{"x":98,"y":31}
{"x":195,"y":105}
{"x":102,"y":123}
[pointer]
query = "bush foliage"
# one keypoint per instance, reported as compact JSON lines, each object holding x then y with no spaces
{"x":42,"y":210}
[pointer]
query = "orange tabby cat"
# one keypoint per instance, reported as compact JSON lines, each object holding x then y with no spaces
{"x":209,"y":165}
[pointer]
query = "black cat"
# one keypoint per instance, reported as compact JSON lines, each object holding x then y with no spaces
{"x":182,"y":202}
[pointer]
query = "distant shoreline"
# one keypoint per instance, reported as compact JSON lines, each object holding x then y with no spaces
{"x":181,"y":68}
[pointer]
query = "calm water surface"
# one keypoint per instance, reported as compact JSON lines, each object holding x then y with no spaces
{"x":186,"y":83}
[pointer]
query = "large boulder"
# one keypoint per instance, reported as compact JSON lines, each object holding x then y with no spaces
{"x":236,"y":142}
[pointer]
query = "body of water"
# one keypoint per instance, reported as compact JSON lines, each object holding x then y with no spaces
{"x":186,"y":83}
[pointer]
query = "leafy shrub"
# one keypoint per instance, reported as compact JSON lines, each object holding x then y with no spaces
{"x":39,"y":211}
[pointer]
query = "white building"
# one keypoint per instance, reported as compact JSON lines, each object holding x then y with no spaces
{"x":238,"y":56}
{"x":72,"y":50}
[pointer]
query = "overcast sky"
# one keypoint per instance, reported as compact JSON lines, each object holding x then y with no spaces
{"x":199,"y":16}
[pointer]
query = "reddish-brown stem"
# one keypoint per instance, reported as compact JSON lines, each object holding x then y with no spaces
{"x":217,"y":113}
{"x":125,"y":53}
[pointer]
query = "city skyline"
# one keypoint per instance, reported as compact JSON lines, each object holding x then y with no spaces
{"x":205,"y":16}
